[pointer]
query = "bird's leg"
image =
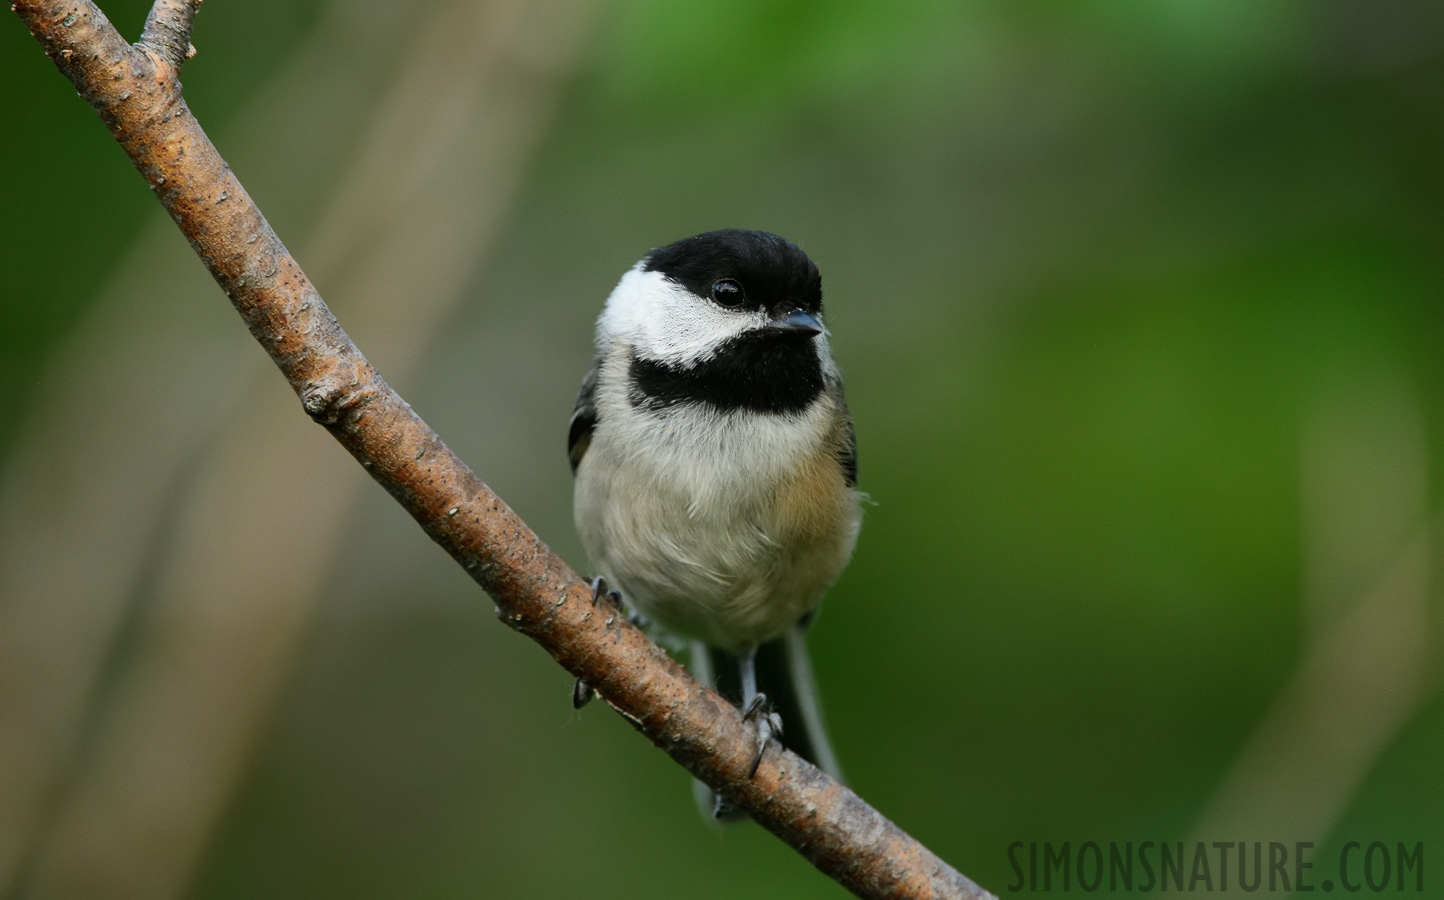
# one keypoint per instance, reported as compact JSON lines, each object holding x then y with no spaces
{"x":582,"y":692}
{"x":755,"y":707}
{"x":747,"y":667}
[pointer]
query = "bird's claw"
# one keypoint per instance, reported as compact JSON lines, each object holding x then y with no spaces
{"x":600,"y":591}
{"x":582,"y":694}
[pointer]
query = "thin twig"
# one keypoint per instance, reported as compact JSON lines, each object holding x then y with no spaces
{"x":136,"y":91}
{"x":167,"y":32}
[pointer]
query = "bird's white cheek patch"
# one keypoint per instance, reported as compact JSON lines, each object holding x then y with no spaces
{"x":666,"y":322}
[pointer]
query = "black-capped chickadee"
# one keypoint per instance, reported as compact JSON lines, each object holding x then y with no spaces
{"x":716,"y":468}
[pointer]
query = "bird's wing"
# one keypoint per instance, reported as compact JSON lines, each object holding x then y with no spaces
{"x":848,"y":454}
{"x":584,"y":416}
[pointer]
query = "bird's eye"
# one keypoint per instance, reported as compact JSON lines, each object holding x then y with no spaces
{"x":728,"y":293}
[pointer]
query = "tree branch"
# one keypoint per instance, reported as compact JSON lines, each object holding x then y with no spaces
{"x":137,"y":94}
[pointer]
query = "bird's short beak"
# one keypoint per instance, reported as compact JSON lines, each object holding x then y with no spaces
{"x":797,"y":322}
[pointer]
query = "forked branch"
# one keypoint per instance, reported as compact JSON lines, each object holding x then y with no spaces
{"x":137,"y":93}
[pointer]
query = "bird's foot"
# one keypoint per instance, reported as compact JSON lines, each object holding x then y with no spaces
{"x":582,"y":693}
{"x":768,"y":724}
{"x":759,"y":714}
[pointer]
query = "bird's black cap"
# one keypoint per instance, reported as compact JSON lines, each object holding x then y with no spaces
{"x":774,"y":273}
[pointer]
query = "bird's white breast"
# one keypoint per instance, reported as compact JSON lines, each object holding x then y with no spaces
{"x":723,"y":526}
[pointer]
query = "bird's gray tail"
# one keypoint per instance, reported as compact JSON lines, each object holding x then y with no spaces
{"x":784,"y":674}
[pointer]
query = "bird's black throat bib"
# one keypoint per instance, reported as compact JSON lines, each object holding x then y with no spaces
{"x":762,"y":371}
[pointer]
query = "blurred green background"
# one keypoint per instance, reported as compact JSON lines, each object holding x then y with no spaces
{"x":1140,"y":311}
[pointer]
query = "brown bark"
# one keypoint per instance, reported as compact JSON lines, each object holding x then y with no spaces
{"x":136,"y":91}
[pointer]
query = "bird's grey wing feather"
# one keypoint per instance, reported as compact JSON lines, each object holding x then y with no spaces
{"x":849,"y":455}
{"x":845,"y":443}
{"x":584,"y":416}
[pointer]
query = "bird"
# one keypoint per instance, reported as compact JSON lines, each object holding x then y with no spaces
{"x":715,"y":470}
